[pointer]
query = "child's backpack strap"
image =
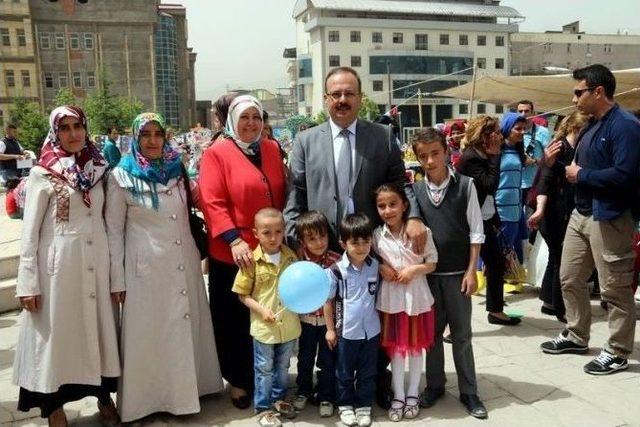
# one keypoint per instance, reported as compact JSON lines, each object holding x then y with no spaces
{"x":339,"y":307}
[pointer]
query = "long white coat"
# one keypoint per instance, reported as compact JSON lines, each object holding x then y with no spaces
{"x":168,"y":351}
{"x":72,"y":338}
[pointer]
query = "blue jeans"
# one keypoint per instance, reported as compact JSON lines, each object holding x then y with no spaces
{"x":356,"y":370}
{"x":312,"y":342}
{"x":271,"y":368}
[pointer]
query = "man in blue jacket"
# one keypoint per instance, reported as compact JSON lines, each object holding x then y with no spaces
{"x":600,"y":231}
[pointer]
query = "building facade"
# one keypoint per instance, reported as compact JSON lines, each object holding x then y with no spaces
{"x":399,"y":47}
{"x":18,"y":69}
{"x":535,"y":53}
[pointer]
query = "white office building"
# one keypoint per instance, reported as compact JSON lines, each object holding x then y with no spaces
{"x":426,"y":45}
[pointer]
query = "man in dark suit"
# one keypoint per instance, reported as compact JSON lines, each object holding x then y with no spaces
{"x":335,"y":168}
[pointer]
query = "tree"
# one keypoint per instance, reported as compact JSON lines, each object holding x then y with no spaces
{"x":64,"y":97}
{"x":368,"y":109}
{"x":32,"y":125}
{"x":105,"y":109}
{"x":321,"y":117}
{"x":294,"y":122}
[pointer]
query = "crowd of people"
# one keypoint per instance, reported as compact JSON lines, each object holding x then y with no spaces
{"x":110,"y":274}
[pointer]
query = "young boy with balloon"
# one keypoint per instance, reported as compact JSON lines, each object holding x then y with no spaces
{"x":312,"y":228}
{"x":355,"y":328}
{"x":404,"y":300}
{"x":273,"y":328}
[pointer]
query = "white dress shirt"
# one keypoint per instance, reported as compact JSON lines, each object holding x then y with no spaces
{"x":337,"y":146}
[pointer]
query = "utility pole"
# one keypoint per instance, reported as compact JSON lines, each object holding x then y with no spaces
{"x":420,"y":107}
{"x":390,"y":91}
{"x":473,"y":93}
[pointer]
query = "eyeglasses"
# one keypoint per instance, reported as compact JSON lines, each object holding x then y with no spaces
{"x":578,"y":92}
{"x":336,"y":96}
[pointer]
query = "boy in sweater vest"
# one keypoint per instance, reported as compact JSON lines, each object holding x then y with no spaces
{"x":449,"y":206}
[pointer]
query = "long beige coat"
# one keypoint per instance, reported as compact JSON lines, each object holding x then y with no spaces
{"x":72,"y":338}
{"x":168,"y":351}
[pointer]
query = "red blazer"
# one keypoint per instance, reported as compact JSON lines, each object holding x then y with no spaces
{"x":232,"y":190}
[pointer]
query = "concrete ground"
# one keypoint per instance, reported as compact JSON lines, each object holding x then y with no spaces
{"x":520,"y":385}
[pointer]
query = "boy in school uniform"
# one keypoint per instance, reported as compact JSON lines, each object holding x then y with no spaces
{"x":353,"y":325}
{"x":274,"y":337}
{"x":449,"y":205}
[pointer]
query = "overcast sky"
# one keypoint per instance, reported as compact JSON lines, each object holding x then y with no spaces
{"x":240,"y":44}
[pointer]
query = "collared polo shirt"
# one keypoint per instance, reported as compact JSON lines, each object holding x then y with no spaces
{"x":356,"y":293}
{"x":261,"y":283}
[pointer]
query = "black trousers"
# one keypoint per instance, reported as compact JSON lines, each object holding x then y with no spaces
{"x":553,"y":232}
{"x":231,"y":326}
{"x":493,"y":259}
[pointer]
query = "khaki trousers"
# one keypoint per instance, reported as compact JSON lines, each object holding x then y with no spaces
{"x":607,"y":246}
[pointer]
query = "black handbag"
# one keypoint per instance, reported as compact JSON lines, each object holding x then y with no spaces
{"x":197,"y":225}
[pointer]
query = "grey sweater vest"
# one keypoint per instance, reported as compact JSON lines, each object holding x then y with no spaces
{"x":448,"y":223}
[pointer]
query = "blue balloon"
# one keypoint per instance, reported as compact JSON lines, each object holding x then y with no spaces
{"x":303,"y":287}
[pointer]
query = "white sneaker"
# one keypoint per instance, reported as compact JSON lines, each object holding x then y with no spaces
{"x":326,"y":409}
{"x":300,"y":402}
{"x":363,"y":416}
{"x":347,"y":416}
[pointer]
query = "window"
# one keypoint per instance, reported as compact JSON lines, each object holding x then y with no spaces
{"x":355,"y":36}
{"x":48,"y":80}
{"x":482,"y":108}
{"x":568,"y":47}
{"x":421,"y":41}
{"x":546,"y":48}
{"x":91,"y":79}
{"x":607,"y":48}
{"x":377,"y":85}
{"x":444,"y":38}
{"x":413,"y":64}
{"x":300,"y":93}
{"x":334,"y":60}
{"x":74,"y":41}
{"x":499,"y":109}
{"x":59,"y":37}
{"x":22,"y":38}
{"x":334,"y":36}
{"x":499,"y":40}
{"x":45,"y":41}
{"x":463,"y":39}
{"x":397,"y":38}
{"x":63,"y":80}
{"x":26,"y":78}
{"x":88,"y":41}
{"x":10,"y":78}
{"x":376,"y":37}
{"x":304,"y":68}
{"x":482,"y":40}
{"x":4,"y":34}
{"x":481,"y":62}
{"x":499,"y":63}
{"x":463,"y":108}
{"x":356,"y":61}
{"x":77,"y":79}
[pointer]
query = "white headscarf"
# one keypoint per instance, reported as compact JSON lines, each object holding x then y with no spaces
{"x":238,"y":106}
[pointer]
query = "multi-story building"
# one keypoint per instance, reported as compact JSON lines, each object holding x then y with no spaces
{"x":17,"y":59}
{"x":399,"y":47}
{"x":535,"y":53}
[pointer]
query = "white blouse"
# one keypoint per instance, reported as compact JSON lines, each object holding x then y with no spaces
{"x":415,"y":297}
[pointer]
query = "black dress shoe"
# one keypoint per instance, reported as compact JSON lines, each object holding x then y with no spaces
{"x":474,"y":406}
{"x":548,"y":310}
{"x":429,"y":396}
{"x":511,"y":321}
{"x":242,"y":402}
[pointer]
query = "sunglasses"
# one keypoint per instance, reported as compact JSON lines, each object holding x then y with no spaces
{"x":578,"y":92}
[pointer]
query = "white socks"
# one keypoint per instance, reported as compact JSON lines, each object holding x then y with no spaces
{"x":397,"y":376}
{"x":415,"y":373}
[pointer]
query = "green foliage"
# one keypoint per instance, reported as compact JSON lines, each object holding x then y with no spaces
{"x":64,"y":97}
{"x":105,"y":109}
{"x":321,"y":117}
{"x":294,"y":122}
{"x":32,"y":125}
{"x":368,"y":109}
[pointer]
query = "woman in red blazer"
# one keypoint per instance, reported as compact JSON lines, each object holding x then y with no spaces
{"x":239,"y":175}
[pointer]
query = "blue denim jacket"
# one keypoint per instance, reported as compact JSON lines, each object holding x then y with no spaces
{"x":614,"y":165}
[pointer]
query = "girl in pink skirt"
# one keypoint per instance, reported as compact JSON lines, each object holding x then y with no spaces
{"x":404,"y":299}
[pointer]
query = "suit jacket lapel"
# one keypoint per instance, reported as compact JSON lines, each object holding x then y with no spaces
{"x":361,"y":146}
{"x":326,"y":152}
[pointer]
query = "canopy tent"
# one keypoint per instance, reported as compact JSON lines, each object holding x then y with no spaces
{"x":548,"y":93}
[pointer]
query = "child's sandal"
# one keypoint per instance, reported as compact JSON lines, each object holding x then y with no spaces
{"x":411,"y":410}
{"x":396,"y":413}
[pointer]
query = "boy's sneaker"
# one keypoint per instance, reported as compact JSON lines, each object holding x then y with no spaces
{"x":300,"y":402}
{"x":561,"y":344}
{"x":269,"y":419}
{"x":347,"y":416}
{"x":363,"y":416}
{"x":605,"y":363}
{"x":326,"y":409}
{"x":285,"y":409}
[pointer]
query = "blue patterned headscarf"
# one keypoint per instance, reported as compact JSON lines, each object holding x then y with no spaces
{"x":150,"y":171}
{"x":508,"y":121}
